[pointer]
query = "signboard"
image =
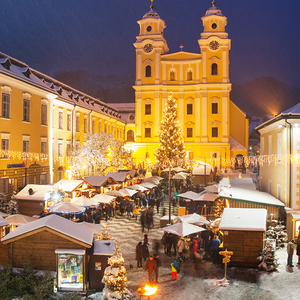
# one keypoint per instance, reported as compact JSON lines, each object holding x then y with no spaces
{"x":98,"y":266}
{"x":10,"y":166}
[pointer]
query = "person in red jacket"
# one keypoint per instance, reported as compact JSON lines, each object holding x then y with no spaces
{"x":151,"y":267}
{"x":194,"y":251}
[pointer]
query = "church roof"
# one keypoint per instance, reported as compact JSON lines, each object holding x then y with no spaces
{"x":181,"y":55}
{"x":151,"y":14}
{"x":213,"y":10}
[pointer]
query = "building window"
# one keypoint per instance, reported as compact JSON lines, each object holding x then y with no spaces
{"x":43,"y":178}
{"x":148,"y":71}
{"x":214,"y":132}
{"x":278,"y":191}
{"x":77,"y":123}
{"x":214,"y":69}
{"x":172,"y":76}
{"x":130,"y":136}
{"x":85,"y":125}
{"x":99,"y":126}
{"x":147,"y":109}
{"x":25,"y":146}
{"x":44,"y":114}
{"x":105,"y":127}
{"x":189,"y":109}
{"x":5,"y":105}
{"x":147,"y":132}
{"x":4,"y":185}
{"x":189,"y":132}
{"x":189,"y":75}
{"x":43,"y":147}
{"x":60,"y":120}
{"x":270,"y":187}
{"x":93,"y":126}
{"x":270,"y":144}
{"x":26,"y":110}
{"x":60,"y":149}
{"x":68,"y":148}
{"x":214,"y":108}
{"x":4,"y":148}
{"x":68,"y":122}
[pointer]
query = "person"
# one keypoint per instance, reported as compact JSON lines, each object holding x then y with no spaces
{"x":158,"y":264}
{"x":175,"y":268}
{"x":298,"y":252}
{"x":151,"y":267}
{"x":194,"y":251}
{"x":157,"y":202}
{"x":136,"y":212}
{"x":143,"y":220}
{"x":145,"y":251}
{"x":180,"y":245}
{"x":215,"y":244}
{"x":146,"y":241}
{"x":139,"y":254}
{"x":290,"y":251}
{"x":113,"y":206}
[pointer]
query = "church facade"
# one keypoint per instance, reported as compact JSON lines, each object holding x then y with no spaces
{"x":213,"y":127}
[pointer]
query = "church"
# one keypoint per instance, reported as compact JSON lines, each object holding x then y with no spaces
{"x":213,"y":127}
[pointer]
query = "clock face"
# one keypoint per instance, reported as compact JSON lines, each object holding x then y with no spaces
{"x":214,"y":45}
{"x":148,"y":48}
{"x":149,"y":28}
{"x":214,"y":26}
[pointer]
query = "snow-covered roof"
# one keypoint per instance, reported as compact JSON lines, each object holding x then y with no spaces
{"x":249,"y":195}
{"x":104,"y":247}
{"x":97,"y":181}
{"x":151,"y":14}
{"x":244,"y":183}
{"x":56,"y":223}
{"x":68,"y":185}
{"x":118,"y":176}
{"x":203,"y":169}
{"x":293,"y":110}
{"x":247,"y":219}
{"x":39,"y":192}
{"x":3,"y":222}
{"x":189,"y":195}
{"x":235,"y":145}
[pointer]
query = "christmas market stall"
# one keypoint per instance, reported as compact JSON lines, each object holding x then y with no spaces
{"x":202,"y":175}
{"x":3,"y":248}
{"x":123,"y":178}
{"x":102,"y":183}
{"x":244,"y":198}
{"x":31,"y":199}
{"x":244,"y":231}
{"x":75,"y":188}
{"x":55,"y":244}
{"x":293,"y":223}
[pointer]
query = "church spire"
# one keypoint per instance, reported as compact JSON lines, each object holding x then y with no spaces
{"x":151,"y":6}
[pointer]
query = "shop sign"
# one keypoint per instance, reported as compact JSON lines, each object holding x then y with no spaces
{"x":98,"y":266}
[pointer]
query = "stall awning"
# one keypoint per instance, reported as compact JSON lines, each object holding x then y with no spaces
{"x":70,"y":251}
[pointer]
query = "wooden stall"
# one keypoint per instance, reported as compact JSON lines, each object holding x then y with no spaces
{"x":75,"y":188}
{"x":31,"y":199}
{"x":3,"y":248}
{"x":244,"y":233}
{"x":293,"y":223}
{"x":52,"y":243}
{"x":245,"y":198}
{"x":102,"y":183}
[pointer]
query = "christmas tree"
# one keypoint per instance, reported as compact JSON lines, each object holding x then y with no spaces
{"x":219,"y":207}
{"x":267,"y":259}
{"x":104,"y":234}
{"x":276,"y":231}
{"x":171,"y":151}
{"x":115,"y":277}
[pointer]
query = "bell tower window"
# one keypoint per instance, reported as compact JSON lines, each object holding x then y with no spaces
{"x":172,"y":76}
{"x":189,"y":75}
{"x":214,"y":69}
{"x":148,"y":71}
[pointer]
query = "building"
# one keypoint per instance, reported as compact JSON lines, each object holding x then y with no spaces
{"x":212,"y":125}
{"x":279,"y":162}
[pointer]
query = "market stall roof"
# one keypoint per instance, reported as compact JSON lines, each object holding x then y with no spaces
{"x":211,"y":189}
{"x":37,"y":192}
{"x":3,"y":222}
{"x":193,"y":218}
{"x":115,"y":193}
{"x":137,"y":187}
{"x":102,"y":198}
{"x":66,"y":207}
{"x":243,"y":183}
{"x":189,"y":195}
{"x":176,"y":169}
{"x":98,"y":181}
{"x":132,"y":173}
{"x":250,"y":196}
{"x":18,"y":219}
{"x":201,"y":170}
{"x":180,"y":175}
{"x":96,"y":227}
{"x":3,"y":215}
{"x":104,"y":247}
{"x":128,"y":192}
{"x":118,"y":176}
{"x":56,"y":223}
{"x":153,"y":179}
{"x":148,"y":185}
{"x":183,"y":229}
{"x":246,"y":219}
{"x":84,"y":201}
{"x":68,"y":185}
{"x":207,"y":197}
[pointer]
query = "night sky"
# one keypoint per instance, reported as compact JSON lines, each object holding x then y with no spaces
{"x":98,"y":35}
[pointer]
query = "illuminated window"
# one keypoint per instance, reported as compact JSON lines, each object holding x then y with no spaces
{"x":26,"y":110}
{"x":148,"y":71}
{"x":147,"y":109}
{"x":214,"y":69}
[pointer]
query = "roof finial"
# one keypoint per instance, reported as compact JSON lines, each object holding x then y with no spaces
{"x":151,"y":6}
{"x":181,"y":47}
{"x":214,"y":3}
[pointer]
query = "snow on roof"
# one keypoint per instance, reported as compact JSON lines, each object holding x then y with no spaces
{"x":293,"y":110}
{"x":104,"y":247}
{"x":96,"y":181}
{"x":39,"y":192}
{"x":3,"y":222}
{"x":189,"y":195}
{"x":57,"y":223}
{"x":118,"y":176}
{"x":235,"y":145}
{"x":247,"y":219}
{"x":201,"y":170}
{"x":244,"y":183}
{"x":249,"y":195}
{"x":213,"y":11}
{"x":68,"y":185}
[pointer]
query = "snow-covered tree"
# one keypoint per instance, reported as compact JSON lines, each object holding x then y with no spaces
{"x":104,"y":234}
{"x":276,"y":231}
{"x":9,"y":207}
{"x":171,"y":150}
{"x":115,"y":277}
{"x":219,"y":207}
{"x":268,"y":261}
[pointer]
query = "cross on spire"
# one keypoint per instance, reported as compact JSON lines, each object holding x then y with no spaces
{"x":181,"y":47}
{"x":214,"y":3}
{"x":151,"y":6}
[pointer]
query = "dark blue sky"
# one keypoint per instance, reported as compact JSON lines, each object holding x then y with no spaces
{"x":98,"y":35}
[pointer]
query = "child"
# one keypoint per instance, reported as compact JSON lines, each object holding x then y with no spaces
{"x":175,"y":268}
{"x":136,"y":212}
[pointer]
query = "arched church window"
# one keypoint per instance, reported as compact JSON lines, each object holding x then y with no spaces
{"x":148,"y":71}
{"x":214,"y":69}
{"x":172,"y":75}
{"x":130,"y":136}
{"x":189,"y":75}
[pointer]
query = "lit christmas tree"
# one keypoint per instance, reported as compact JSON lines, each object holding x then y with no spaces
{"x":267,"y":259}
{"x":171,"y":150}
{"x":104,"y":234}
{"x":276,"y":231}
{"x":115,"y":277}
{"x":219,"y":207}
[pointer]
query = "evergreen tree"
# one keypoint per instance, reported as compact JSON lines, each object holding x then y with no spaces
{"x":267,"y":259}
{"x":171,"y":150}
{"x":276,"y":231}
{"x":115,"y":277}
{"x":219,"y":207}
